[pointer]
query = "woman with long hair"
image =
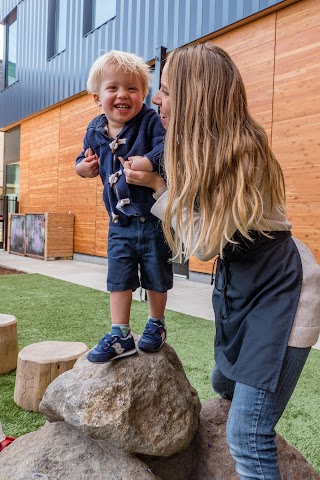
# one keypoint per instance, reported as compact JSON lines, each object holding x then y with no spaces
{"x":225,"y":195}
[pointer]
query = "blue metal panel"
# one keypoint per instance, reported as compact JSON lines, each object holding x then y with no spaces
{"x":6,"y":6}
{"x":140,"y":26}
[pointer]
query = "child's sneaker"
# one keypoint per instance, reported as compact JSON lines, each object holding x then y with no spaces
{"x":111,"y":347}
{"x":153,"y":337}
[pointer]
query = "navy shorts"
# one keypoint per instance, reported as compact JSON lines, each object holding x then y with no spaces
{"x":141,"y":243}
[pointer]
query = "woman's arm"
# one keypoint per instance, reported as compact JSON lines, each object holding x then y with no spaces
{"x":158,"y":209}
{"x":154,"y":181}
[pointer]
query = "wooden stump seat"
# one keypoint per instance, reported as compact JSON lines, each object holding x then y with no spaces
{"x":38,"y":365}
{"x":8,"y":343}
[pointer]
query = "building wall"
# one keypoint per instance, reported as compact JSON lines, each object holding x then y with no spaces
{"x":296,"y":116}
{"x":50,"y":144}
{"x":140,"y":26}
{"x":278,"y":56}
{"x":1,"y":161}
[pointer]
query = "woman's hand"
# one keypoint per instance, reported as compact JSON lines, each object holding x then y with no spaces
{"x":145,"y":179}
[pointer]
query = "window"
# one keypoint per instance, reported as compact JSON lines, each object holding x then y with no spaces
{"x":1,"y":41}
{"x":103,"y":11}
{"x":57,"y":27}
{"x":96,"y":13}
{"x":11,"y":161}
{"x":61,"y":25}
{"x":10,"y":52}
{"x":12,"y":179}
{"x":1,"y":58}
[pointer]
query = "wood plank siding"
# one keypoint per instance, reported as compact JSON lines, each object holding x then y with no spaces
{"x":50,"y":142}
{"x":278,"y":56}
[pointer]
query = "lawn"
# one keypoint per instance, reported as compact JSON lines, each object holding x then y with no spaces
{"x":50,"y":309}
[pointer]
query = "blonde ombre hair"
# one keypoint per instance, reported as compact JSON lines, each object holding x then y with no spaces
{"x":129,"y":62}
{"x":217,"y":158}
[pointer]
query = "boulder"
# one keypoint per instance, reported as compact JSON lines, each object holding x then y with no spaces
{"x":293,"y":465}
{"x":214,"y":460}
{"x":141,"y":404}
{"x":208,"y":456}
{"x":59,"y":452}
{"x":144,"y":405}
{"x":177,"y":467}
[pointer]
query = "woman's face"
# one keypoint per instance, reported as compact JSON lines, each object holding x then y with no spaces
{"x":162,"y":99}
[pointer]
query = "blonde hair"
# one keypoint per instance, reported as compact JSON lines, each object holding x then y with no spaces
{"x":128,"y":62}
{"x":217,"y":158}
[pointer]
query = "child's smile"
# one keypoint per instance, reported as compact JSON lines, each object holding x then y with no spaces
{"x":120,"y":95}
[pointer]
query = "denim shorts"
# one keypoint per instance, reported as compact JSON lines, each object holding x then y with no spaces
{"x":138,"y":255}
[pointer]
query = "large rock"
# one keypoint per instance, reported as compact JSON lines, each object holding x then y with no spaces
{"x":293,"y":465}
{"x":142,"y":404}
{"x":60,"y":452}
{"x":214,"y":458}
{"x":178,"y":467}
{"x":208,"y":456}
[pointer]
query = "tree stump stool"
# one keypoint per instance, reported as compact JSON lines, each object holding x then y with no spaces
{"x":8,"y":343}
{"x":38,"y":365}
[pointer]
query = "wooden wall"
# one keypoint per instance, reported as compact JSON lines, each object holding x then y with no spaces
{"x":278,"y":56}
{"x":50,"y":144}
{"x":279,"y":59}
{"x":296,"y":117}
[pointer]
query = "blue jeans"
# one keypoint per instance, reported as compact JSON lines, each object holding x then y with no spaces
{"x":253,"y":416}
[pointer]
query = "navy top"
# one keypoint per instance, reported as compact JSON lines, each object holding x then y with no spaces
{"x":256,"y":294}
{"x":142,"y":135}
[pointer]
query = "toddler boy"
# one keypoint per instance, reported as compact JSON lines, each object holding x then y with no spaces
{"x":119,"y":82}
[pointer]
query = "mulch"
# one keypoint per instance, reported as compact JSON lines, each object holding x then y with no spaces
{"x":9,"y":271}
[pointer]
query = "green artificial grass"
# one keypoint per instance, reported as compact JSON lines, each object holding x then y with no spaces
{"x":50,"y":309}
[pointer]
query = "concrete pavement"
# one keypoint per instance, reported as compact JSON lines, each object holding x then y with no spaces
{"x":192,"y":298}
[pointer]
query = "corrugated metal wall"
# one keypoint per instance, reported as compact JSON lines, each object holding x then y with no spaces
{"x":140,"y":26}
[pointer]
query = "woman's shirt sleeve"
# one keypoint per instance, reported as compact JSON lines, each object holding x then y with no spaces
{"x":158,"y":209}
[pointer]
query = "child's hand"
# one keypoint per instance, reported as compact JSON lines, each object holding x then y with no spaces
{"x":139,"y":177}
{"x":140,"y":163}
{"x":89,"y":166}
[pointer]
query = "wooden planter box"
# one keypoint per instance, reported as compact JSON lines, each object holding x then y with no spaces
{"x":41,"y":235}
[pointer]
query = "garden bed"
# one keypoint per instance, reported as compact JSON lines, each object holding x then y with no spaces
{"x":9,"y":271}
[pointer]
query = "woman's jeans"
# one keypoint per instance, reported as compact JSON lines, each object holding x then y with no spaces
{"x":253,"y":416}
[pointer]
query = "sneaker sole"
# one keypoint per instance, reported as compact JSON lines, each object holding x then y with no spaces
{"x":122,"y":355}
{"x":151,"y":351}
